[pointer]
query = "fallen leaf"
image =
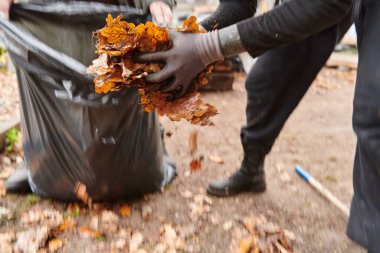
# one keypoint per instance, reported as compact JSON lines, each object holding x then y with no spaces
{"x":193,"y":142}
{"x":330,"y":178}
{"x":3,"y":190}
{"x":247,"y":244}
{"x":146,"y":212}
{"x":125,"y":210}
{"x":214,"y":220}
{"x":81,"y":191}
{"x":109,"y":221}
{"x":135,"y":242}
{"x":263,"y":236}
{"x":187,"y":194}
{"x":5,"y":214}
{"x":6,"y":242}
{"x":94,"y":223}
{"x":67,"y":224}
{"x":119,"y":243}
{"x":160,"y":248}
{"x":285,"y":177}
{"x":195,"y":165}
{"x":6,"y":161}
{"x":87,"y":232}
{"x":216,"y":159}
{"x":227,"y":225}
{"x":55,"y":244}
{"x":49,"y":217}
{"x":31,"y":240}
{"x":7,"y":172}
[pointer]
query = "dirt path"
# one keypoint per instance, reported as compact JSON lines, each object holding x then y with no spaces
{"x":318,"y":136}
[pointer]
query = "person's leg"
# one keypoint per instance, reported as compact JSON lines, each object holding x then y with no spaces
{"x":275,"y":85}
{"x":364,"y":222}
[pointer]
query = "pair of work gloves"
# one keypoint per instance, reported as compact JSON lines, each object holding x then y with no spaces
{"x":159,"y":10}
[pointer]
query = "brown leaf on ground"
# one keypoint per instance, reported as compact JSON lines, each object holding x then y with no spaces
{"x":109,"y":221}
{"x":7,"y":172}
{"x":261,"y":236}
{"x":49,"y":217}
{"x":216,"y":159}
{"x":87,"y":232}
{"x":135,"y":241}
{"x":3,"y":190}
{"x":170,"y":241}
{"x":67,"y":224}
{"x":193,"y":142}
{"x":6,"y":242}
{"x":5,"y":214}
{"x":31,"y":240}
{"x":119,"y":42}
{"x":195,"y":165}
{"x":146,"y":212}
{"x":81,"y":192}
{"x":55,"y":244}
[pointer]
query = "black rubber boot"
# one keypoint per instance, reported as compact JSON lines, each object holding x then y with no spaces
{"x":249,"y":178}
{"x":18,"y":181}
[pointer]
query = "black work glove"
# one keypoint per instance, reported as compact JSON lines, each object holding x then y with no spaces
{"x":190,"y":54}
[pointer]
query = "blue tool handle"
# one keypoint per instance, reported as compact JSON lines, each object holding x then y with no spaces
{"x":302,"y":173}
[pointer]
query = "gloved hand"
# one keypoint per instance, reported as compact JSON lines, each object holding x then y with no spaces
{"x":190,"y":54}
{"x":161,"y":12}
{"x":4,"y":7}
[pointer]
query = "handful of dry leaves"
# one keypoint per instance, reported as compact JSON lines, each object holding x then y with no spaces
{"x":119,"y":42}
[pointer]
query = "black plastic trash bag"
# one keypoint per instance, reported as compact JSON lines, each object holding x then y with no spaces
{"x":70,"y":133}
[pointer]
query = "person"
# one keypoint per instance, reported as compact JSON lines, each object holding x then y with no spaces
{"x":293,"y":21}
{"x":161,"y":13}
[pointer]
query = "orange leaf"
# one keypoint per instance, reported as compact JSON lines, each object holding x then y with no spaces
{"x":119,"y":42}
{"x":125,"y":210}
{"x":55,"y":244}
{"x":87,"y":232}
{"x":67,"y":224}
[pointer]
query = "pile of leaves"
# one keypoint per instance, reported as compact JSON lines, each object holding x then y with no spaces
{"x":119,"y":42}
{"x":261,"y":236}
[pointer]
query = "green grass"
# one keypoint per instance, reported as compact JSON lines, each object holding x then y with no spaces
{"x":11,"y":138}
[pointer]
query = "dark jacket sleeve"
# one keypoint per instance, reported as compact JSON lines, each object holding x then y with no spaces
{"x":290,"y":22}
{"x":230,"y":12}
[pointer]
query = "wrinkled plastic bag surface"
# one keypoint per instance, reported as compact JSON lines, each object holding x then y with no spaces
{"x":70,"y":133}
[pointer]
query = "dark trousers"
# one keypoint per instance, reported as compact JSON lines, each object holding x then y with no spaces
{"x":278,"y":81}
{"x":364,"y":223}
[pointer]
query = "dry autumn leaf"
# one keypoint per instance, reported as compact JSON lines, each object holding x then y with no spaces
{"x":193,"y":142}
{"x":125,"y":210}
{"x":55,"y":244}
{"x":67,"y":224}
{"x":87,"y":232}
{"x":195,"y":165}
{"x":3,"y":190}
{"x":81,"y":192}
{"x":118,"y":42}
{"x":262,"y":235}
{"x":216,"y":159}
